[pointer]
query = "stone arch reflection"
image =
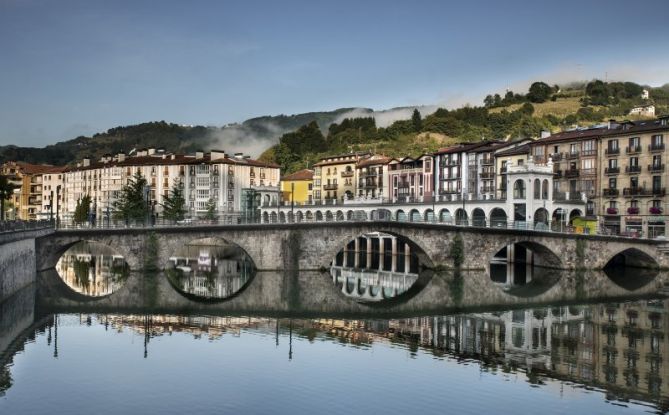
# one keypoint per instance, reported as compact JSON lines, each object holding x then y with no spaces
{"x":92,"y":269}
{"x":525,"y":269}
{"x":377,"y":266}
{"x":631,"y":269}
{"x":210,"y":268}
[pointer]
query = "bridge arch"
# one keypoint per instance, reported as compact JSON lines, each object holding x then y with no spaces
{"x":429,"y":215}
{"x":461,"y":217}
{"x":400,"y":216}
{"x":543,"y":256}
{"x":445,"y":216}
{"x":498,"y":218}
{"x":632,"y":257}
{"x":478,"y":217}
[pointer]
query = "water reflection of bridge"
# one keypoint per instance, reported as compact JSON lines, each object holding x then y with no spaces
{"x":371,"y":285}
{"x":207,"y":276}
{"x":92,"y":274}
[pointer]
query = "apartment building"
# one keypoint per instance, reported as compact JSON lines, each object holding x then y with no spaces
{"x":575,"y":159}
{"x":235,"y":184}
{"x":633,"y":177}
{"x":29,"y":199}
{"x":297,"y":188}
{"x":514,"y":154}
{"x":335,"y":177}
{"x":372,"y":174}
{"x":411,"y":179}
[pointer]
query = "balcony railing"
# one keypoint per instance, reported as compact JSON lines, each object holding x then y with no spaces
{"x":656,"y":168}
{"x":633,"y":169}
{"x":571,"y":173}
{"x":656,"y":147}
{"x":347,"y":173}
{"x":612,"y":170}
{"x":487,"y":175}
{"x":658,"y":191}
{"x":612,"y":151}
{"x":487,"y":160}
{"x":633,"y":149}
{"x":637,"y":191}
{"x":589,"y":153}
{"x":572,"y":155}
{"x":330,"y":187}
{"x":610,"y":192}
{"x":556,"y":157}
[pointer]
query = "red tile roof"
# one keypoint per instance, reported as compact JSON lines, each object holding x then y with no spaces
{"x":305,"y":174}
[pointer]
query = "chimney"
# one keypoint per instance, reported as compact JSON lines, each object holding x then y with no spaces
{"x":173,"y":156}
{"x":217,"y":154}
{"x":199,"y":154}
{"x":121,"y":157}
{"x":612,"y":124}
{"x":545,"y":134}
{"x":152,"y":151}
{"x":86,"y":162}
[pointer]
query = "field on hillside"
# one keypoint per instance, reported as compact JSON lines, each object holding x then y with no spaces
{"x":560,"y":108}
{"x":408,"y":145}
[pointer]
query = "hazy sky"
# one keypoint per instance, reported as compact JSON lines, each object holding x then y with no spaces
{"x":79,"y":67}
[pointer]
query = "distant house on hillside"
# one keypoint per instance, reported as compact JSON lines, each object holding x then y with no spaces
{"x":645,"y":94}
{"x":644,"y":110}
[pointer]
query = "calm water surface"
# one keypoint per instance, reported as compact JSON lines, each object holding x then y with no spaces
{"x":590,"y":359}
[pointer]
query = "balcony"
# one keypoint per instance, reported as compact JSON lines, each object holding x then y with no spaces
{"x":658,"y":191}
{"x":610,"y":192}
{"x":572,"y":155}
{"x":557,"y":174}
{"x":656,"y":168}
{"x":586,"y":153}
{"x":656,"y":147}
{"x":571,"y":173}
{"x":588,"y":172}
{"x":636,"y":191}
{"x":633,"y":169}
{"x":612,"y":151}
{"x":633,"y":210}
{"x":633,"y":149}
{"x":612,"y":170}
{"x":487,"y":175}
{"x":348,"y":173}
{"x":611,"y":211}
{"x":330,"y":186}
{"x":556,"y":157}
{"x":487,"y":160}
{"x":655,"y":210}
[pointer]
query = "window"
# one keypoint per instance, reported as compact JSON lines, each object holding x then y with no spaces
{"x":634,"y":144}
{"x":613,"y":182}
{"x":519,"y":189}
{"x":657,"y":162}
{"x":657,"y":183}
{"x":612,"y":146}
{"x":573,"y":149}
{"x":634,"y":161}
{"x":589,"y":148}
{"x":634,"y":182}
{"x":657,"y":142}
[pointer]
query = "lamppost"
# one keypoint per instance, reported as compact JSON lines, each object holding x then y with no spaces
{"x":434,"y":213}
{"x":292,"y":201}
{"x":57,"y":206}
{"x":51,"y":207}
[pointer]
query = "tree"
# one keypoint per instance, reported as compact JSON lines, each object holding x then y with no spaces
{"x":131,"y":204}
{"x":489,"y":101}
{"x":82,"y":210}
{"x":597,"y":92}
{"x":210,"y":214}
{"x":174,"y":205}
{"x":527,"y":109}
{"x":416,"y":121}
{"x":539,"y":92}
{"x":6,"y":191}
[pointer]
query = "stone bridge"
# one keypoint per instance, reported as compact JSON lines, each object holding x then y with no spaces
{"x":312,"y":246}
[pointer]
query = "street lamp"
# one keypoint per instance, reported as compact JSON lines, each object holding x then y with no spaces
{"x":292,"y":201}
{"x":434,"y":213}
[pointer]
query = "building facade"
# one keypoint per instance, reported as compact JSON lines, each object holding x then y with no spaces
{"x":297,"y":188}
{"x":335,"y":177}
{"x":411,"y":179}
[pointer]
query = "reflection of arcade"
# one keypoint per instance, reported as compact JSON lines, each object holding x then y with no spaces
{"x":92,"y":269}
{"x":514,"y":268}
{"x":374,"y":267}
{"x":211,"y":271}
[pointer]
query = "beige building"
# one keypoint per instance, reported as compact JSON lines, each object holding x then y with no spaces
{"x":31,"y":201}
{"x":335,"y":177}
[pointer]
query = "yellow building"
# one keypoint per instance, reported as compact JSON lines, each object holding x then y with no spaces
{"x":298,"y":187}
{"x":334,"y":177}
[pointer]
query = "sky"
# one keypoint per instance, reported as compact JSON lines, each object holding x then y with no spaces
{"x":77,"y":67}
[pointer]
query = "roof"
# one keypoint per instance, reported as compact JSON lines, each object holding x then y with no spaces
{"x":463,"y":147}
{"x":515,"y":151}
{"x":179,"y":159}
{"x":305,"y":174}
{"x":578,"y":134}
{"x":28,"y":168}
{"x":613,"y":128}
{"x":327,"y":161}
{"x":638,"y":127}
{"x":373,"y":160}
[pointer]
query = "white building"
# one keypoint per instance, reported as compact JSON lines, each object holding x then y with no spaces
{"x":644,"y":110}
{"x":235,"y":184}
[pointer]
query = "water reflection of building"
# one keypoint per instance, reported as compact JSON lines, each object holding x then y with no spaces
{"x":204,"y":273}
{"x":92,"y":270}
{"x":375,"y":266}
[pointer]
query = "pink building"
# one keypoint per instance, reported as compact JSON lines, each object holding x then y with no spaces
{"x":411,"y":179}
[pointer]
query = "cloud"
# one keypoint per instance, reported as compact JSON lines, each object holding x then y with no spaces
{"x":387,"y":117}
{"x":237,"y":138}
